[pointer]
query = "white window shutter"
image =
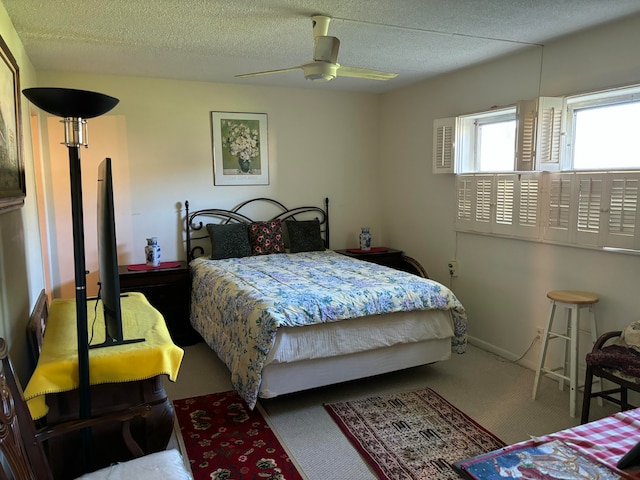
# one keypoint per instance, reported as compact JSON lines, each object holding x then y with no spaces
{"x":517,"y":210}
{"x":528,"y":208}
{"x":623,"y":215}
{"x":589,"y":221}
{"x":474,"y":211}
{"x":526,"y":121}
{"x":483,"y":203}
{"x":444,"y":138}
{"x":558,"y":226}
{"x":538,"y":133}
{"x":549,"y":141}
{"x":464,"y":212}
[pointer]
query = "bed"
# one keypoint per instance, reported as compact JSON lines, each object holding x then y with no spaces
{"x":285,"y":313}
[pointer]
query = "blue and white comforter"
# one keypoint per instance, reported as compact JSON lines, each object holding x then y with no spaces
{"x":238,"y":304}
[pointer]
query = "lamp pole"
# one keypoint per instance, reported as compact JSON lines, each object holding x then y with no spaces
{"x":75,"y":106}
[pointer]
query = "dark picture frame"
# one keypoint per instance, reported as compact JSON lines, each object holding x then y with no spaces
{"x":12,"y":179}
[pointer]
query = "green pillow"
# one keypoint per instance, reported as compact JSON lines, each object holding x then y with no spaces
{"x":229,"y":240}
{"x":304,"y":236}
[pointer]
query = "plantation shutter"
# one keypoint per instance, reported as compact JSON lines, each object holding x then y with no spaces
{"x":517,"y":210}
{"x":464,"y":211}
{"x":474,"y":203}
{"x":538,"y":133}
{"x":444,"y":137}
{"x":558,"y":225}
{"x":589,"y":221}
{"x":623,"y":215}
{"x":526,"y":121}
{"x":550,"y":121}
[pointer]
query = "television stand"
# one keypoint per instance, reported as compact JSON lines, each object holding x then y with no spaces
{"x":127,"y":376}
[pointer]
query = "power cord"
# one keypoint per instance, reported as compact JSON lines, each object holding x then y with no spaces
{"x":525,"y":353}
{"x":95,"y":313}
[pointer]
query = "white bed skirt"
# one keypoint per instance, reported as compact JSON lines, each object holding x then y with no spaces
{"x":324,"y":354}
{"x":282,"y":378}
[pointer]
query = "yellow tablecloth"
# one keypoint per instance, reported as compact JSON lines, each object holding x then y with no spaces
{"x":57,"y":369}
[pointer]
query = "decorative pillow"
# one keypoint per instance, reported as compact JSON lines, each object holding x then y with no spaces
{"x":229,"y":240}
{"x":304,"y":236}
{"x":266,"y":237}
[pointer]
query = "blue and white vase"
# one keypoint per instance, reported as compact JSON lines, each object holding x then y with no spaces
{"x":152,"y":252}
{"x":365,"y":239}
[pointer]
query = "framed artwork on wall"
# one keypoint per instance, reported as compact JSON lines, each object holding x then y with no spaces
{"x":240,"y":148}
{"x":12,"y":180}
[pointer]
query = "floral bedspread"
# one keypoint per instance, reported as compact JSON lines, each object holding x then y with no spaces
{"x":238,"y":304}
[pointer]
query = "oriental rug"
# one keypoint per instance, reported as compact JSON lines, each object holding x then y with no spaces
{"x":226,"y":440}
{"x":412,"y":435}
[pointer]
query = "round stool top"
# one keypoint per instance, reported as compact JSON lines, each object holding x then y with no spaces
{"x":572,"y":296}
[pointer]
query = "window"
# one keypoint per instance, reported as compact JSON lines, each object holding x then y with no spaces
{"x":557,"y":170}
{"x":602,"y":131}
{"x":487,"y":141}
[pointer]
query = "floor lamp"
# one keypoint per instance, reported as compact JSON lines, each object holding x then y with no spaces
{"x":76,"y":106}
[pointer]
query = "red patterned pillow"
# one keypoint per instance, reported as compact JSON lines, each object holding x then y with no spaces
{"x":266,"y":237}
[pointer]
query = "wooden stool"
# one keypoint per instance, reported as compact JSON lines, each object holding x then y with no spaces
{"x":574,"y":302}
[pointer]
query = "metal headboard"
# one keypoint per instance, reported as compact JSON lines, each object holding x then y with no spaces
{"x":196,"y":221}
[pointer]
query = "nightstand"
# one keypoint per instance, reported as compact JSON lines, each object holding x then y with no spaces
{"x":380,"y":255}
{"x":388,"y":257}
{"x":169,"y":291}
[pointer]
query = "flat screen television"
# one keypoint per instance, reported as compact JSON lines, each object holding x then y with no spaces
{"x":109,"y":279}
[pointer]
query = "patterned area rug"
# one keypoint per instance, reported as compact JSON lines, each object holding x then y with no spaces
{"x":413,"y":435}
{"x":226,"y":440}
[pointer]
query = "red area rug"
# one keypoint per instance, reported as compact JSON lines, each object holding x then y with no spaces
{"x":413,"y":435}
{"x":226,"y":440}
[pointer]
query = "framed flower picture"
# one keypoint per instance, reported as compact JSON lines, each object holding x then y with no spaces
{"x":12,"y":179}
{"x":240,"y":148}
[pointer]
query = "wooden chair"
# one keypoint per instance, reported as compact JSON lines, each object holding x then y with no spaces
{"x":606,"y":362}
{"x":23,"y":446}
{"x":36,"y":327}
{"x":411,"y":265}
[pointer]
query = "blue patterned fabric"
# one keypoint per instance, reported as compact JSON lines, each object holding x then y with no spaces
{"x":238,"y":304}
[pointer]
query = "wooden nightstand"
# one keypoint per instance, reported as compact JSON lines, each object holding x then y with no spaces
{"x":388,"y":257}
{"x":168,"y":290}
{"x":384,"y":256}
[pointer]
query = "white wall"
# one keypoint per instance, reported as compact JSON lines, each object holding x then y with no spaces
{"x":503,"y":283}
{"x":321,"y":144}
{"x":21,"y":267}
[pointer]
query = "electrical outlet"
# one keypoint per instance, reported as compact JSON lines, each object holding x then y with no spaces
{"x":538,"y":333}
{"x":453,"y":268}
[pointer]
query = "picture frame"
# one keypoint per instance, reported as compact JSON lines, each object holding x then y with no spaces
{"x":12,"y":177}
{"x":240,"y":148}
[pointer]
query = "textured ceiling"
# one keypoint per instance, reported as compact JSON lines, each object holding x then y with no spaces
{"x":209,"y":40}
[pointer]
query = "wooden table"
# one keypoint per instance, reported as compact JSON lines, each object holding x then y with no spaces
{"x":120,"y":376}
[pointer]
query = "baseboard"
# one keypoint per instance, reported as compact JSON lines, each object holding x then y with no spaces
{"x":489,"y":347}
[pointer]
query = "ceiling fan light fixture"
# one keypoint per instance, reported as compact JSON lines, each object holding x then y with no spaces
{"x":320,"y":71}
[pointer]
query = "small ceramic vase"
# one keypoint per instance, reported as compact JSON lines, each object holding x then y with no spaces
{"x":365,"y":239}
{"x":152,"y":252}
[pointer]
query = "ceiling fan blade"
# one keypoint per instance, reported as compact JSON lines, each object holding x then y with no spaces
{"x":326,"y":49}
{"x":356,"y":72}
{"x":268,"y":72}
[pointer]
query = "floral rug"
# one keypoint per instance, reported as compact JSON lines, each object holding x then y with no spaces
{"x":226,"y":440}
{"x":412,"y":435}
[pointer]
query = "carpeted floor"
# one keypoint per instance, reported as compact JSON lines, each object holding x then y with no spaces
{"x":494,"y":392}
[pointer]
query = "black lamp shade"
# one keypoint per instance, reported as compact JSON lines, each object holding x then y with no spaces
{"x":68,"y":102}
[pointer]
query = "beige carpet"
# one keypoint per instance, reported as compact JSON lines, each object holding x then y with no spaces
{"x":494,"y":392}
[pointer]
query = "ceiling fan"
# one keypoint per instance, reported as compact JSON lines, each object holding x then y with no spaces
{"x":324,"y":66}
